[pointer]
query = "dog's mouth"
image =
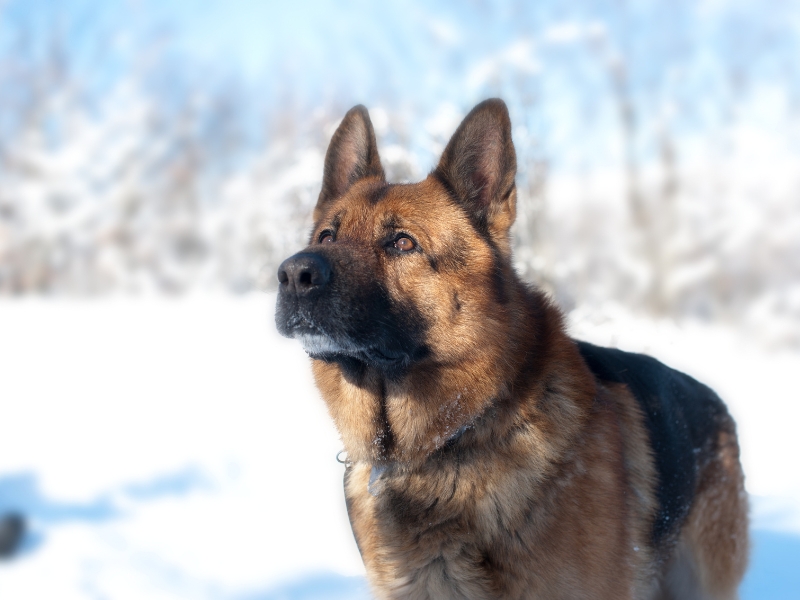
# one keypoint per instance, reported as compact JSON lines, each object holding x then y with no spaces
{"x":320,"y":344}
{"x":324,"y":347}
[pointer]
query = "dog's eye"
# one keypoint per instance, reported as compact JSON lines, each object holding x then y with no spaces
{"x":326,"y":238}
{"x":404,"y":244}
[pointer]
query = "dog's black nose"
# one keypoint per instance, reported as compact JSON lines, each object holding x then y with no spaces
{"x":304,"y":273}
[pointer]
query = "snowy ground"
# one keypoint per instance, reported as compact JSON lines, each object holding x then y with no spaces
{"x":177,"y":449}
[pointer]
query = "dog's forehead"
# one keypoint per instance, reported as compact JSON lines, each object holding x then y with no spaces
{"x":372,"y":207}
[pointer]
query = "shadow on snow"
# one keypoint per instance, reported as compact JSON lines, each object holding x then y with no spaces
{"x":20,"y":494}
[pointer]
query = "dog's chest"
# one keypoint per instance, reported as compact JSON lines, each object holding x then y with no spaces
{"x":435,"y":558}
{"x":424,"y":540}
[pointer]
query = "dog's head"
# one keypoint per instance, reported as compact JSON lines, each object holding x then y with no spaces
{"x":400,"y":275}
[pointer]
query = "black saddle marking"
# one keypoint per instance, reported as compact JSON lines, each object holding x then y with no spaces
{"x":682,"y":417}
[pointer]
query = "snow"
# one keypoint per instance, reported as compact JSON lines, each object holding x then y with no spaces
{"x":165,"y":449}
{"x":168,"y":448}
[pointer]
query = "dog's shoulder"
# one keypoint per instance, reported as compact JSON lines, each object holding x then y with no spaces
{"x":682,"y":417}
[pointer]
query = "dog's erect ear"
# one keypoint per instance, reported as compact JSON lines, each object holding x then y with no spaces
{"x":479,"y":164}
{"x":352,"y":155}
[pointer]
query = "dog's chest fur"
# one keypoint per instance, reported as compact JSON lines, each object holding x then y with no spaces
{"x":468,"y":524}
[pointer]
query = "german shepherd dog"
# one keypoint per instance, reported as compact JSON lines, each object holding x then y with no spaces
{"x":490,"y":455}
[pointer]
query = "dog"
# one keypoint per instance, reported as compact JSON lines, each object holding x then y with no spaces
{"x":489,"y":455}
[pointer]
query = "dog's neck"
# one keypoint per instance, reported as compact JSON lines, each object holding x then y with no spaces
{"x":406,"y":420}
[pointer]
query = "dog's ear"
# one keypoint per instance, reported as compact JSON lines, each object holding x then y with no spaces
{"x":479,"y":165}
{"x":352,"y":155}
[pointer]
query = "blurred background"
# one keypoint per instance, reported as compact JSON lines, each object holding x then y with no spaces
{"x":158,"y":160}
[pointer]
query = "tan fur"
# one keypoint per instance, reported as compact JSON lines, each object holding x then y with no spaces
{"x":573,"y":534}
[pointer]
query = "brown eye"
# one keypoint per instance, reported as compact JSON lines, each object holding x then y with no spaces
{"x":404,"y":244}
{"x":326,"y":238}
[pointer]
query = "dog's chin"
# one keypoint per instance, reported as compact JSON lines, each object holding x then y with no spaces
{"x":319,"y":345}
{"x":323,"y":347}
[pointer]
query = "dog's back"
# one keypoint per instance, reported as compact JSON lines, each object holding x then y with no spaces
{"x":696,"y":457}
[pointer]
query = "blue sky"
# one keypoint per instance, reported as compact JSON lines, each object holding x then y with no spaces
{"x":691,"y":62}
